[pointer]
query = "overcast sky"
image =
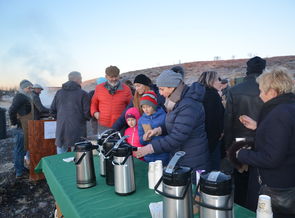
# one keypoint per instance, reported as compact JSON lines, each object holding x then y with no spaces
{"x":43,"y":40}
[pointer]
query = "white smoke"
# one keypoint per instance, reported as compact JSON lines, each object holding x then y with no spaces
{"x":47,"y":96}
{"x":39,"y":54}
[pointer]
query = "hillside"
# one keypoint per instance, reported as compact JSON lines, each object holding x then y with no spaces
{"x":227,"y":68}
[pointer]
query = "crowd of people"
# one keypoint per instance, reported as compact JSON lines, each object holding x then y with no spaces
{"x":204,"y":119}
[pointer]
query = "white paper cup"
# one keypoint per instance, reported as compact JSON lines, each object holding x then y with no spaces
{"x":151,"y":175}
{"x":264,"y":209}
{"x":159,"y":164}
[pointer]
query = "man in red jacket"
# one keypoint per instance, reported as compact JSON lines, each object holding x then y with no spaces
{"x":110,"y":99}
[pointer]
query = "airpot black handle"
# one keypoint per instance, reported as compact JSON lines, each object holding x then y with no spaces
{"x":182,"y":195}
{"x":169,"y":170}
{"x":95,"y":147}
{"x":202,"y":204}
{"x":116,"y":146}
{"x":134,"y":148}
{"x":77,"y":162}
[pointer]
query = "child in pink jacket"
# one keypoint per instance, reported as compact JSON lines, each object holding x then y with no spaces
{"x":132,"y":115}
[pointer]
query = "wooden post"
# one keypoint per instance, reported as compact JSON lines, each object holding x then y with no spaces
{"x":38,"y":146}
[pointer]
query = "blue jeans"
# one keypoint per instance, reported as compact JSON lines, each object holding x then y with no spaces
{"x":19,"y":152}
{"x":61,"y":150}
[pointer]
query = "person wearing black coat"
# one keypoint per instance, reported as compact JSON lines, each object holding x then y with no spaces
{"x":71,"y":107}
{"x":243,"y":99}
{"x":21,"y":106}
{"x":273,"y":157}
{"x":38,"y":108}
{"x":19,"y":114}
{"x":184,"y":128}
{"x":214,"y":113}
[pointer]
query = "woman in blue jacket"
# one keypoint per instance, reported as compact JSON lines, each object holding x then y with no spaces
{"x":184,"y":128}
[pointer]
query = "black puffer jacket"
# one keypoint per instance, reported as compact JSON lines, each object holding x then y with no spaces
{"x":185,"y":128}
{"x":242,"y":99}
{"x":21,"y":104}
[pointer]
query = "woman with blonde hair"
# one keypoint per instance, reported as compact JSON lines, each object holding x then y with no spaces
{"x":272,"y":162}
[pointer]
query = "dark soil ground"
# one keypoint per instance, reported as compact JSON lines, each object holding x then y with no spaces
{"x":21,"y":197}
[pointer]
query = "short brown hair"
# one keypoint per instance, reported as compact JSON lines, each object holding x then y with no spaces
{"x":277,"y":78}
{"x":112,"y":71}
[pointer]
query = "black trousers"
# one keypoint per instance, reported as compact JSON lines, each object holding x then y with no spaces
{"x":241,"y":187}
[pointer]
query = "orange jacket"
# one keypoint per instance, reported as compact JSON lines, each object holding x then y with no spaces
{"x":109,"y":106}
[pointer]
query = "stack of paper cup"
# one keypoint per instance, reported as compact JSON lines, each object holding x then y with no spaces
{"x":264,"y":207}
{"x":155,"y":173}
{"x":151,"y":175}
{"x":158,"y":173}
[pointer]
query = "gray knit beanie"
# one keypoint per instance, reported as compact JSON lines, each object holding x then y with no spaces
{"x":25,"y":83}
{"x":168,"y":78}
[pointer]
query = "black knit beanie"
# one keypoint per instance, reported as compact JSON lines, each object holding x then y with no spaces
{"x":255,"y":65}
{"x":142,"y":79}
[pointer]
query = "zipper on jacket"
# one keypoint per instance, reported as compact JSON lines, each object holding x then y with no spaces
{"x":132,"y":140}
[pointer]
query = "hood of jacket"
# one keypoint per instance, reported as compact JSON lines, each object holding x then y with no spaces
{"x":196,"y":91}
{"x":71,"y":85}
{"x":133,"y":111}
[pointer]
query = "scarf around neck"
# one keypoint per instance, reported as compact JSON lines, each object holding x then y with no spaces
{"x":112,"y":89}
{"x":175,"y":97}
{"x":27,"y":94}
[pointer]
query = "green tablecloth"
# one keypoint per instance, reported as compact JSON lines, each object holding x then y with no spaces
{"x":101,"y":200}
